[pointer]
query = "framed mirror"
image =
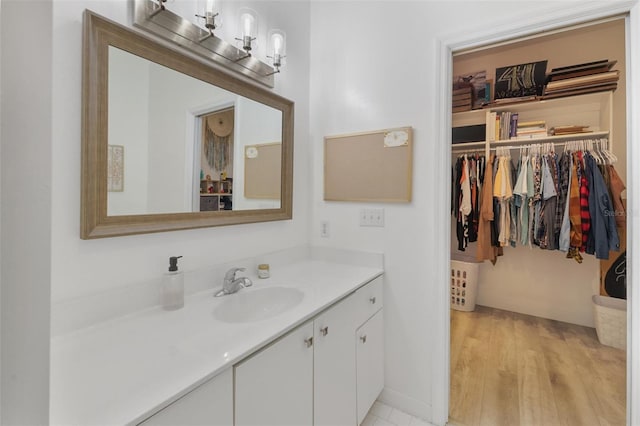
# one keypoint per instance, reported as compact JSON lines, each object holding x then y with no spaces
{"x":171,"y":143}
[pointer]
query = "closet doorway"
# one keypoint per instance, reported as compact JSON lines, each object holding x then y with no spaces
{"x":528,"y":353}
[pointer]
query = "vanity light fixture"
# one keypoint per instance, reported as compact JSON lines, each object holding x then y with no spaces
{"x":249,"y":27}
{"x":277,"y":47}
{"x":209,"y":18}
{"x":153,"y":16}
{"x":159,"y":9}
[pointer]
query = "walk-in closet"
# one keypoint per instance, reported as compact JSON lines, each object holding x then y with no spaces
{"x":538,"y":230}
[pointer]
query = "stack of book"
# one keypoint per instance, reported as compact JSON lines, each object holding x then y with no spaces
{"x":505,"y":126}
{"x":531,"y":130}
{"x":568,"y":130}
{"x":582,"y":78}
{"x":462,"y":99}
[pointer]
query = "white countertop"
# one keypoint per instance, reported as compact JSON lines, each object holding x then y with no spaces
{"x":121,"y":371}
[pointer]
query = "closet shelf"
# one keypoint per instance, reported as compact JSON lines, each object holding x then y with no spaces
{"x":478,"y":115}
{"x":593,"y":110}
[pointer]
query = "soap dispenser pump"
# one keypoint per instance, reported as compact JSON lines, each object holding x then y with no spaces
{"x":173,"y":286}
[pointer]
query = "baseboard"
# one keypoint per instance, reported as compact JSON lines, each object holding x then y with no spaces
{"x":405,"y":403}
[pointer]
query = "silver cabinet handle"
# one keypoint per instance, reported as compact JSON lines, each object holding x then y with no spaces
{"x":324,"y":330}
{"x":363,"y":338}
{"x":309,"y":341}
{"x":372,"y":300}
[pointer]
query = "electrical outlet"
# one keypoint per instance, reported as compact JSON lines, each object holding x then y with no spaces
{"x":324,"y":229}
{"x":372,"y":217}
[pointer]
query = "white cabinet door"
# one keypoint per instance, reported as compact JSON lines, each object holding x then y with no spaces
{"x":275,"y":386}
{"x":370,"y":363}
{"x":209,"y":404}
{"x":334,"y":366}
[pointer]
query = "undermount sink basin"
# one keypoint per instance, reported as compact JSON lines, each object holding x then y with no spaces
{"x":250,"y":305}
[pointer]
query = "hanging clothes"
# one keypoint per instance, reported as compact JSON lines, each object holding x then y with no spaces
{"x":605,"y":233}
{"x":465,"y":203}
{"x":521,"y":200}
{"x":456,"y":174}
{"x":485,"y":249}
{"x":563,"y":202}
{"x":616,"y":186}
{"x":503,"y":191}
{"x":560,"y":202}
{"x":466,"y":200}
{"x":513,"y":219}
{"x":473,"y":183}
{"x":574,"y":205}
{"x":461,"y":219}
{"x":546,"y":234}
{"x":585,"y":216}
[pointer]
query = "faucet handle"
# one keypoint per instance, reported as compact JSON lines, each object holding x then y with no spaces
{"x":231,"y":273}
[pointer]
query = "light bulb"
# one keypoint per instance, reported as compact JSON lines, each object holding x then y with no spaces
{"x":277,"y":43}
{"x":248,"y":25}
{"x":210,"y":6}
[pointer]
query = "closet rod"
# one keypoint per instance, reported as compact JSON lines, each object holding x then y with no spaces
{"x":559,"y":143}
{"x":529,"y":143}
{"x":468,"y":150}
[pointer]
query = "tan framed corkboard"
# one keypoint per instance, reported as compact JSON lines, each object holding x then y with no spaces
{"x":262,"y":170}
{"x":371,"y":166}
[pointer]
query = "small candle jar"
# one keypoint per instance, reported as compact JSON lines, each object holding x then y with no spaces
{"x":263,"y":270}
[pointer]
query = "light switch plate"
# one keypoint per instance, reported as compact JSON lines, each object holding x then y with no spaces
{"x":372,"y":217}
{"x":324,"y":229}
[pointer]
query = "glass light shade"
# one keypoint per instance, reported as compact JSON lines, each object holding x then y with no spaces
{"x":277,"y":42}
{"x":248,"y":23}
{"x":210,"y":6}
{"x":207,"y":8}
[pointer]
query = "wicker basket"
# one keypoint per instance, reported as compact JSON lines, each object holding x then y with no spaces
{"x":464,"y":285}
{"x":610,"y":316}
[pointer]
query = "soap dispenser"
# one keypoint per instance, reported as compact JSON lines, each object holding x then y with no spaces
{"x":173,"y":286}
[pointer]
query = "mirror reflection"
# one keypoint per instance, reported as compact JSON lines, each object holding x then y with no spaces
{"x":172,"y":143}
{"x":178,"y":144}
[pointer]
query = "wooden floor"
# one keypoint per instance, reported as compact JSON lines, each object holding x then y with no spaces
{"x":513,"y":369}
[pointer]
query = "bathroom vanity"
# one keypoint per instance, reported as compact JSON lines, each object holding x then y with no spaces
{"x":302,"y":347}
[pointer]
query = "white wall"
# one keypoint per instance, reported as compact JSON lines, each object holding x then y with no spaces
{"x":129,"y":127}
{"x":372,"y":68}
{"x":83,"y":268}
{"x":89,"y":267}
{"x":25,"y":199}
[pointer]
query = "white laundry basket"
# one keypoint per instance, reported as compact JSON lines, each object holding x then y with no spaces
{"x":610,"y":316}
{"x":464,"y":285}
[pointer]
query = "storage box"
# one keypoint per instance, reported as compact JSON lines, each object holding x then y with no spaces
{"x":474,"y":133}
{"x":464,"y":285}
{"x":611,"y":320}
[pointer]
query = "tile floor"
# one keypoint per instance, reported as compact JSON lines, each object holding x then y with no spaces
{"x":384,"y":415}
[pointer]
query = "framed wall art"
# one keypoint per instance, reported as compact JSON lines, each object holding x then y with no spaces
{"x":115,"y":168}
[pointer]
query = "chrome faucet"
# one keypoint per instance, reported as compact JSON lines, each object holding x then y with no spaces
{"x":231,"y":284}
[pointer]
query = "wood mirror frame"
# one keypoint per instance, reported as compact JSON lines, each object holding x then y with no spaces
{"x":100,"y":33}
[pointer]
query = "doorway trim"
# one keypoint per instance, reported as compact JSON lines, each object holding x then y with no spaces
{"x":563,"y":16}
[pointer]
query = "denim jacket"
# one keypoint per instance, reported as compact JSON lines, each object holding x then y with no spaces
{"x":604,"y":235}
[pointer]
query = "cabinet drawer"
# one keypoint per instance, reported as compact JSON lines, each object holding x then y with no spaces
{"x":368,"y":300}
